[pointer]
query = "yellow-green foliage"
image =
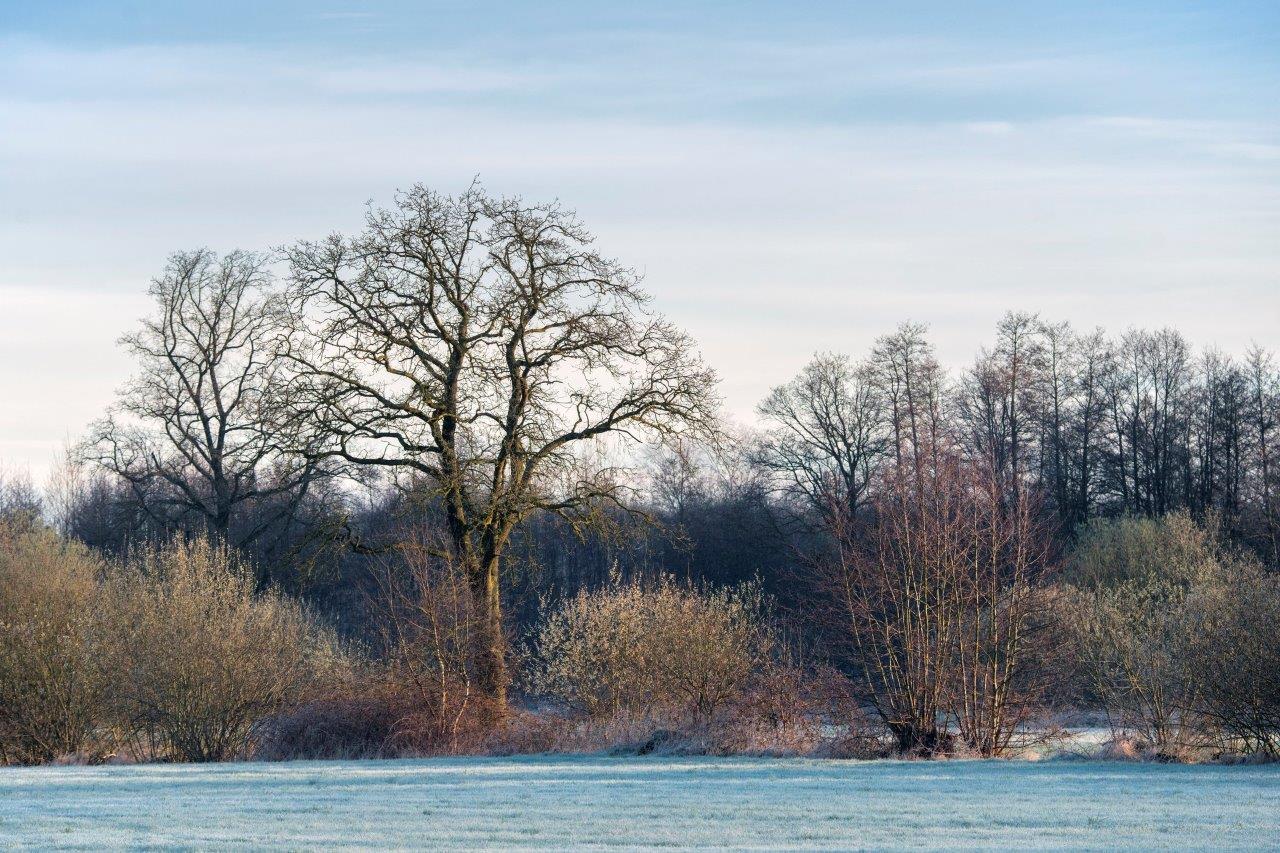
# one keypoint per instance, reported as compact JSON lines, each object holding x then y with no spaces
{"x":53,"y":678}
{"x":1169,"y":550}
{"x":169,"y":655}
{"x":1171,"y":634}
{"x":642,"y":649}
{"x":201,"y":657}
{"x":1234,"y":649}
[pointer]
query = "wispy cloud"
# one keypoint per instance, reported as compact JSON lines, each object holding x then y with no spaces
{"x":345,"y":16}
{"x":414,"y":78}
{"x":37,"y":72}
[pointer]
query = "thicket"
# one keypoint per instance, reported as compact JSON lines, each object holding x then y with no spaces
{"x":1175,"y":636}
{"x":173,"y":654}
{"x":940,"y":600}
{"x":664,"y":649}
{"x":54,"y":680}
{"x":169,"y":655}
{"x":414,"y":692}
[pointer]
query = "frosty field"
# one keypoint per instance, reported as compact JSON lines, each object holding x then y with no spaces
{"x":555,"y":802}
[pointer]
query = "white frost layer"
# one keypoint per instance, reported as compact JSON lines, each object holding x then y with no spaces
{"x":557,"y":802}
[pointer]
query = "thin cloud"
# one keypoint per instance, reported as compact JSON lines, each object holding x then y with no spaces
{"x":344,"y":16}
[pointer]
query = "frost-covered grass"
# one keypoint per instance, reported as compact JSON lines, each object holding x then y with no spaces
{"x":556,"y":802}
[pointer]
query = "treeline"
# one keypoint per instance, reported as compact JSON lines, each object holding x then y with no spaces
{"x":1138,"y":424}
{"x":464,"y":439}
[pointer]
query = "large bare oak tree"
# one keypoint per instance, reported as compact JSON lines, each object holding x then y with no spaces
{"x":483,"y":345}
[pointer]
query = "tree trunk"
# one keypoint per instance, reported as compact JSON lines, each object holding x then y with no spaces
{"x":491,"y":653}
{"x":915,"y":739}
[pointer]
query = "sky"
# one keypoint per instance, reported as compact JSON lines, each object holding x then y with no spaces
{"x":789,"y":177}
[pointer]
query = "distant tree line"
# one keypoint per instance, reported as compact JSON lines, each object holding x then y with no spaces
{"x":1137,"y":424}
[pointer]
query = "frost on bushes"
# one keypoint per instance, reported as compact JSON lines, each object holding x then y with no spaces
{"x":1175,"y":637}
{"x":1172,"y":549}
{"x":170,"y":655}
{"x":1235,"y":651}
{"x":417,"y":696}
{"x":202,"y":658}
{"x":1132,"y":640}
{"x":665,"y":650}
{"x":53,"y":680}
{"x":431,"y":632}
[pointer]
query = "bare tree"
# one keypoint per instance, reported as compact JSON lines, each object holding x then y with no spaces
{"x":893,"y":600}
{"x":20,"y":501}
{"x":482,"y":344}
{"x":1088,"y":420}
{"x":1005,"y":552}
{"x":999,"y":398}
{"x":938,"y":598}
{"x":1263,"y":381}
{"x":828,"y":433}
{"x":194,"y":433}
{"x":912,"y":382}
{"x":1052,"y":410}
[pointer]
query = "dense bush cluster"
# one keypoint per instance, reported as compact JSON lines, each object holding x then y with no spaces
{"x":171,"y":654}
{"x":659,"y":649}
{"x":166,"y":656}
{"x":54,"y":679}
{"x":1176,"y":636}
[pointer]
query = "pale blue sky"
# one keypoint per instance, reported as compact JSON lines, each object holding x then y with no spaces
{"x":790,"y":176}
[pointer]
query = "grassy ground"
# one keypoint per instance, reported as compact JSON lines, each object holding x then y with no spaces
{"x":556,"y":802}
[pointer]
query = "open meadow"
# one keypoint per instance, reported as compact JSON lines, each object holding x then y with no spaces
{"x":559,"y":802}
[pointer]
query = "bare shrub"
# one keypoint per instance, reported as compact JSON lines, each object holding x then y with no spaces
{"x":525,"y":732}
{"x":1001,"y":680}
{"x":199,"y":659}
{"x":52,"y":677}
{"x":792,"y":707}
{"x":1234,"y":651}
{"x":417,"y":696}
{"x":354,"y":718}
{"x":936,"y":598}
{"x":667,"y":648}
{"x":1131,"y":640}
{"x":1137,"y":587}
{"x":894,"y":609}
{"x":590,"y":654}
{"x":706,"y":646}
{"x":433,"y":638}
